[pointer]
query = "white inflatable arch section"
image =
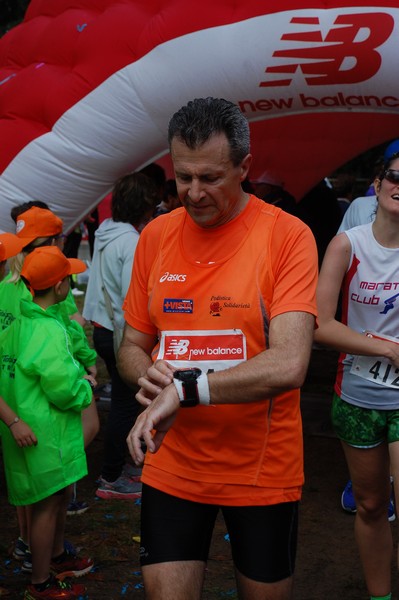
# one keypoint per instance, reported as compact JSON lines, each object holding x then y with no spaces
{"x":87,"y":89}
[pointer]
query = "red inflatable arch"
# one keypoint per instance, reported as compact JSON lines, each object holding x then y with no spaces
{"x":87,"y":88}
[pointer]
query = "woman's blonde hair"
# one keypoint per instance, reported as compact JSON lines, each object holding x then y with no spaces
{"x":17,"y":261}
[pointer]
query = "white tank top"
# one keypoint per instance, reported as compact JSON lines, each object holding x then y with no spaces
{"x":370,"y":302}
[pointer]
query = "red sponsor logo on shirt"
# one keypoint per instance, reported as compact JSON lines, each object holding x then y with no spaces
{"x":215,"y":309}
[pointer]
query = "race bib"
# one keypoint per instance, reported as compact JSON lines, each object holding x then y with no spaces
{"x":215,"y":350}
{"x":377,"y":369}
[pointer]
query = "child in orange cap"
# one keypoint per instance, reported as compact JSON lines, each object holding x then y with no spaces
{"x":34,"y":223}
{"x":10,"y":245}
{"x":23,"y":435}
{"x":43,"y":383}
{"x":38,"y":226}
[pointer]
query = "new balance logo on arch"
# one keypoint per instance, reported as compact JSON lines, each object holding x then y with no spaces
{"x":346,"y":54}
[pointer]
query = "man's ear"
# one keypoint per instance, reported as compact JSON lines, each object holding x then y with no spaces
{"x":245,"y":164}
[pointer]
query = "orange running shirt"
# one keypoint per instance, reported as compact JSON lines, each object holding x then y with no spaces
{"x":209,"y":296}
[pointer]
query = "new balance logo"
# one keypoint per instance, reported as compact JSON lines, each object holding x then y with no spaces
{"x":346,"y":54}
{"x":177,"y":347}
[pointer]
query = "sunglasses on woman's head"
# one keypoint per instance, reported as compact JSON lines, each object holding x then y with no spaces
{"x":391,"y":175}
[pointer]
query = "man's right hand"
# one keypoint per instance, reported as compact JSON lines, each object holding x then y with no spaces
{"x":158,"y":376}
{"x":153,"y":423}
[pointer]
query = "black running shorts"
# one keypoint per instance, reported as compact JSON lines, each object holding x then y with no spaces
{"x":263,"y":538}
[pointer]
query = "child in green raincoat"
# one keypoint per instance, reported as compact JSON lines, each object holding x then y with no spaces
{"x":36,"y":226}
{"x":47,"y":387}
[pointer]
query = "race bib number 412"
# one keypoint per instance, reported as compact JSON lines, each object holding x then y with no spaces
{"x":377,"y":369}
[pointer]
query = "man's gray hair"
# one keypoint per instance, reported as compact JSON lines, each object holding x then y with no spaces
{"x":201,"y":118}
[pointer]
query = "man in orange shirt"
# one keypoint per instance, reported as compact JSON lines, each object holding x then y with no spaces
{"x":220,"y":316}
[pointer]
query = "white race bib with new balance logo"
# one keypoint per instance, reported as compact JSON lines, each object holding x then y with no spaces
{"x":210,"y":349}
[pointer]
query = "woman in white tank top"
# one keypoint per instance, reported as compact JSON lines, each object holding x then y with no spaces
{"x":363,"y":263}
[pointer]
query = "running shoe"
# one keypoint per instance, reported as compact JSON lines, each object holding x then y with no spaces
{"x":70,"y":565}
{"x":131,"y":472}
{"x":122,"y":488}
{"x":69,"y":547}
{"x":22,"y":553}
{"x":103,"y":392}
{"x":20,"y":549}
{"x":77,"y":507}
{"x":347,"y":499}
{"x":77,"y":292}
{"x":57,"y":590}
{"x":391,"y":509}
{"x":27,"y":564}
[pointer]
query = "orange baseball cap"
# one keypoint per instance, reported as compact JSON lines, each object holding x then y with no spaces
{"x":10,"y":245}
{"x":47,"y":265}
{"x":36,"y":223}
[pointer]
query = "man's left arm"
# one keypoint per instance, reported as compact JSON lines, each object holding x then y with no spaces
{"x":281,"y":367}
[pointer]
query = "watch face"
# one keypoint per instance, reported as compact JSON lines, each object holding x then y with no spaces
{"x":187,"y":374}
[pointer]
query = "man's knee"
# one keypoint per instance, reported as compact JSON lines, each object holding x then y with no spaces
{"x":249,"y":589}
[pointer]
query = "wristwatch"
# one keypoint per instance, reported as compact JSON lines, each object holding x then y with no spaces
{"x":192,"y":387}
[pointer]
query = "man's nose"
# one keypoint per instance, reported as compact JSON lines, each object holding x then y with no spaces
{"x":195,"y":191}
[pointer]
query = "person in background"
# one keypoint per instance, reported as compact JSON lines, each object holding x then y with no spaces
{"x":92,"y":222}
{"x":219,"y":344}
{"x":133,"y":201}
{"x":15,"y":212}
{"x":320,"y":210}
{"x":23,"y":435}
{"x":71,"y":250}
{"x":365,"y":409}
{"x":35,"y":227}
{"x":270,"y":188}
{"x":170,"y":200}
{"x":46,"y":387}
{"x":157,"y":175}
{"x":361,"y":211}
{"x":343,"y":187}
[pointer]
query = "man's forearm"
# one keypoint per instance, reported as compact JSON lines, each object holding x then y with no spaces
{"x":263,"y":376}
{"x":132,"y":363}
{"x":280,"y":368}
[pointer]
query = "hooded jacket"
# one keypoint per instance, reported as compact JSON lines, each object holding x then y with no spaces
{"x":43,"y":383}
{"x":11,"y":295}
{"x":114,"y":247}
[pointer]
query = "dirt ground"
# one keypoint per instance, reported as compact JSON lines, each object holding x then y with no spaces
{"x":327,"y":561}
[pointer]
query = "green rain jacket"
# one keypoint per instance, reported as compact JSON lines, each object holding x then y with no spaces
{"x":43,"y":383}
{"x":11,"y":295}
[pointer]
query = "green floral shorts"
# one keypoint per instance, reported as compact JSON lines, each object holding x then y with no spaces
{"x":364,"y":427}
